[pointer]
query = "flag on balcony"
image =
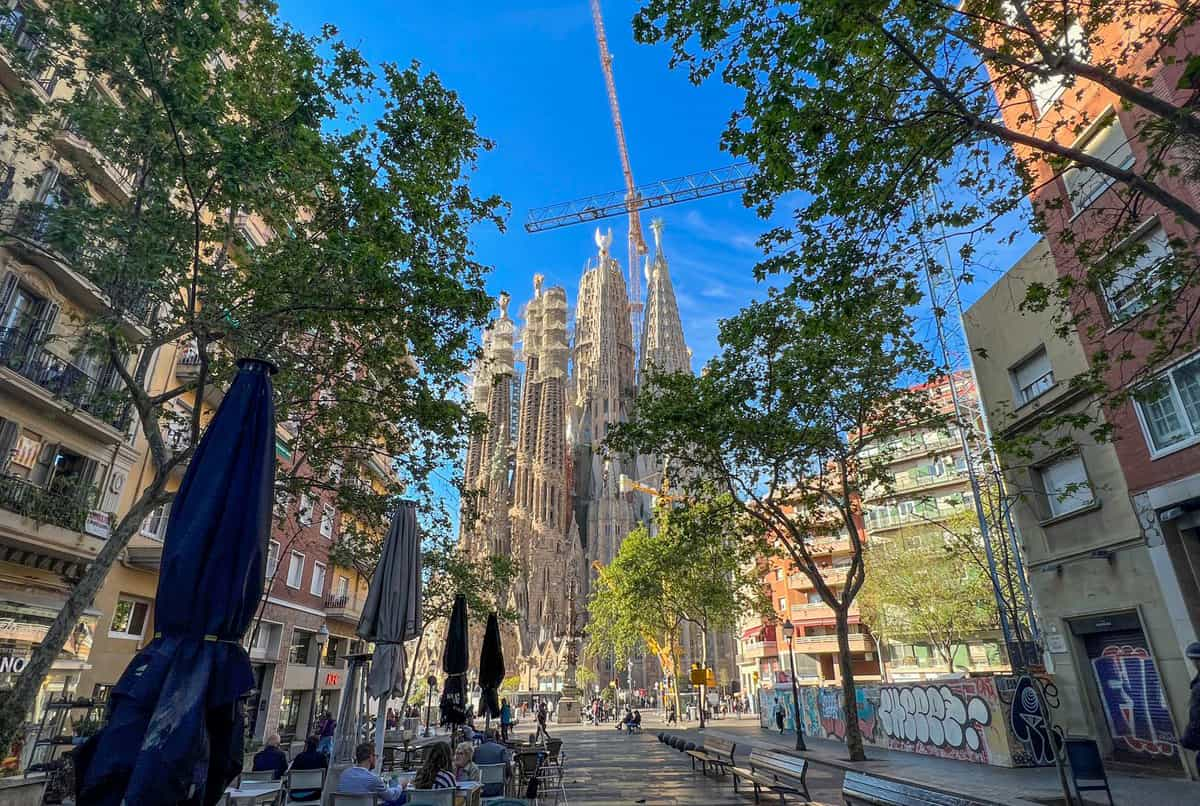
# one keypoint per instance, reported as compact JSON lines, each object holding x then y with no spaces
{"x":174,"y":731}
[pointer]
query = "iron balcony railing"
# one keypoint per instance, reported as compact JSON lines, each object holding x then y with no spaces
{"x":66,"y":507}
{"x":61,"y":378}
{"x":52,"y":230}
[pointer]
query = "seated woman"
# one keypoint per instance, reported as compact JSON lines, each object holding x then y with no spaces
{"x":465,"y":768}
{"x":438,"y":770}
{"x":310,"y":759}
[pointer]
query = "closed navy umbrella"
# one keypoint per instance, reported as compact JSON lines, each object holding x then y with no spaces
{"x":491,"y":668}
{"x":454,"y":664}
{"x":174,"y":730}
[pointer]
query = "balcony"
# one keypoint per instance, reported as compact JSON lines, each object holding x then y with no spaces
{"x":820,"y":613}
{"x":754,"y":650}
{"x":187,"y":369}
{"x":823,"y":644}
{"x":24,"y":62}
{"x":344,"y":607}
{"x":64,"y":507}
{"x":116,"y":181}
{"x":832,"y":576}
{"x":830,"y":545}
{"x":881,"y":523}
{"x":61,"y":381}
{"x":905,"y":483}
{"x":55,"y":244}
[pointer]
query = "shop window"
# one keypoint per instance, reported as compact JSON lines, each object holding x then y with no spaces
{"x":129,"y":618}
{"x":302,"y":641}
{"x":289,"y":715}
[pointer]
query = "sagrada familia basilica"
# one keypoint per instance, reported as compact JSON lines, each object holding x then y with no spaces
{"x":546,"y":494}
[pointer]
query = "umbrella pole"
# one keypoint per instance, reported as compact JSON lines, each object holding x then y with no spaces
{"x":380,"y":728}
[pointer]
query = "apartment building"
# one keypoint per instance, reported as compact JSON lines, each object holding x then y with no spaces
{"x":930,"y":498}
{"x":66,"y":456}
{"x":1101,"y":594}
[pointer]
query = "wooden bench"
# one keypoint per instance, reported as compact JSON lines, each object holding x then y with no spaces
{"x":778,"y":772}
{"x":717,"y":751}
{"x":861,"y":788}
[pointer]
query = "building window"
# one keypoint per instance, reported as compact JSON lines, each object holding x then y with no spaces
{"x":782,"y":604}
{"x":343,"y":587}
{"x":295,"y":570}
{"x":1107,"y":143}
{"x":289,"y":715}
{"x":1169,"y":408}
{"x":778,"y":574}
{"x":129,"y":618}
{"x":1033,"y":377}
{"x":264,"y":642}
{"x":155,"y":525}
{"x":1065,"y":484}
{"x":1130,"y":286}
{"x":272,"y":557}
{"x":327,"y":515}
{"x":283,"y":500}
{"x":316,"y":585}
{"x":301,"y":642}
{"x":306,"y":509}
{"x":1046,"y":90}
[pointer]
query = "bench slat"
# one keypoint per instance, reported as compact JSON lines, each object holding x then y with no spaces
{"x":864,"y":788}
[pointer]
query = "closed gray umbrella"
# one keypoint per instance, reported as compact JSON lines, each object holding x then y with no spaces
{"x":392,"y":613}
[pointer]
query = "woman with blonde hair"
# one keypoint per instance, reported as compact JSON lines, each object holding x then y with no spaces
{"x":465,"y":768}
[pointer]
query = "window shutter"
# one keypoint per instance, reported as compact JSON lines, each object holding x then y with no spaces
{"x":8,"y":285}
{"x":45,"y":322}
{"x":6,"y":183}
{"x":8,"y":440}
{"x":43,"y":471}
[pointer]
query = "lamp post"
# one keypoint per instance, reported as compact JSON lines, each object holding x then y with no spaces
{"x":322,"y":639}
{"x":789,"y":630}
{"x":430,"y":685}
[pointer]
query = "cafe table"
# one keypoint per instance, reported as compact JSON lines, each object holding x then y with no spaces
{"x":253,"y":793}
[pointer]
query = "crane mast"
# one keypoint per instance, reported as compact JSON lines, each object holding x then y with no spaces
{"x":637,"y":243}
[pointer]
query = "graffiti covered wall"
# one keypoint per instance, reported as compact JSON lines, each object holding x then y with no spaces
{"x":985,"y":720}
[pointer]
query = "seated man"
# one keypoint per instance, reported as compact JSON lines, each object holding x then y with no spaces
{"x":491,"y":752}
{"x":359,"y":780}
{"x":271,"y":758}
{"x":310,"y":759}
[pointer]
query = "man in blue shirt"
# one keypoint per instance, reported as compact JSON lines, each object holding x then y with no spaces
{"x":271,"y":758}
{"x":359,"y":780}
{"x":491,"y":752}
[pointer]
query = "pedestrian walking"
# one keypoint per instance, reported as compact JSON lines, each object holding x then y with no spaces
{"x":1191,"y":736}
{"x":779,"y":715}
{"x":506,"y":719}
{"x":542,"y":714}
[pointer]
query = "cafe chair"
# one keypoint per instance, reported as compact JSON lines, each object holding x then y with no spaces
{"x":341,"y":799}
{"x":264,"y":777}
{"x":303,"y":781}
{"x":430,"y":797}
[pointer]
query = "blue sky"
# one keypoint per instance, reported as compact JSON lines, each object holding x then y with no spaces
{"x":530,"y":73}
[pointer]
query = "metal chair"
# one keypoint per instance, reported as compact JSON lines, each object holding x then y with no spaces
{"x":492,"y":774}
{"x":430,"y":797}
{"x":266,"y":776}
{"x":304,"y":780}
{"x":1083,"y":757}
{"x":341,"y":799}
{"x":508,"y":802}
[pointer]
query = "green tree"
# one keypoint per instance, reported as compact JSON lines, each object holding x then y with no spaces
{"x":364,"y":290}
{"x":697,"y":566}
{"x":887,"y":120}
{"x":927,"y":587}
{"x":794,"y":418}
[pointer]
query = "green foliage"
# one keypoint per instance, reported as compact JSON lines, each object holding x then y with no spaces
{"x":260,"y":213}
{"x":908,"y":129}
{"x":926,"y":587}
{"x":697,"y":566}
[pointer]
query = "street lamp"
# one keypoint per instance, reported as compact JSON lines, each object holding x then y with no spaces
{"x":789,"y":630}
{"x":430,"y":685}
{"x":322,"y":639}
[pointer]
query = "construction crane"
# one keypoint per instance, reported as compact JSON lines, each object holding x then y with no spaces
{"x":634,"y":199}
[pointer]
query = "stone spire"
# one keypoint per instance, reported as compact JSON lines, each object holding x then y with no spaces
{"x":602,"y":394}
{"x":489,"y":453}
{"x":662,"y":331}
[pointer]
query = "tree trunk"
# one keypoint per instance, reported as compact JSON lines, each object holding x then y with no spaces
{"x":703,"y":686}
{"x":413,"y":672}
{"x":854,"y":740}
{"x":16,"y":703}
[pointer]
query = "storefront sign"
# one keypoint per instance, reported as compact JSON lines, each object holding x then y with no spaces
{"x":332,"y":679}
{"x":98,"y":524}
{"x":12,"y":665}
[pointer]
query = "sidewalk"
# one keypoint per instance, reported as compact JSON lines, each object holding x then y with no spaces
{"x":1002,"y":786}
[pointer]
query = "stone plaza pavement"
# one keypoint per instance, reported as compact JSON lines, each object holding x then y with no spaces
{"x":998,"y":785}
{"x":607,"y":768}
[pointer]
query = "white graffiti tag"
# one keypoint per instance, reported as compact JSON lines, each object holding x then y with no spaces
{"x":933,"y":715}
